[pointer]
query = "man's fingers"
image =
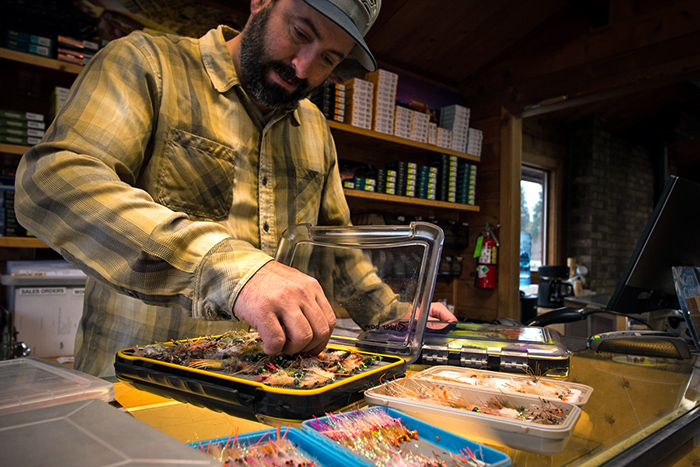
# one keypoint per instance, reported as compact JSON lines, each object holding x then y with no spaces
{"x":309,"y":330}
{"x":273,"y":336}
{"x":288,"y":308}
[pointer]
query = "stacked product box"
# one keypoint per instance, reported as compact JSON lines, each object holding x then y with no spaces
{"x":412,"y":180}
{"x":24,"y":128}
{"x":358,"y":176}
{"x":385,"y":85}
{"x":476,"y":138}
{"x":401,"y":170}
{"x":358,"y":108}
{"x":456,"y":118}
{"x":466,"y":183}
{"x":29,"y":43}
{"x":330,"y":99}
{"x":419,"y":126}
{"x":386,"y":181}
{"x":58,"y":97}
{"x":365,"y":184}
{"x":427,"y":182}
{"x":9,"y":226}
{"x":75,"y":50}
{"x":402,"y":122}
{"x":447,"y":179}
{"x":443,"y":138}
{"x":432,"y":133}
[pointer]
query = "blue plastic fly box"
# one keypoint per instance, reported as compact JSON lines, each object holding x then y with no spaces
{"x":382,"y":436}
{"x":283,"y":446}
{"x":375,"y":278}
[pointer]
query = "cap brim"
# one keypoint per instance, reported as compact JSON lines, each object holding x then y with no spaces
{"x":360,"y":52}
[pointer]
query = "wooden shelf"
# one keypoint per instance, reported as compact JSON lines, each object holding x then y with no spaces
{"x":408,"y":200}
{"x":38,"y":60}
{"x":399,"y":142}
{"x":21,"y":242}
{"x":13,"y":149}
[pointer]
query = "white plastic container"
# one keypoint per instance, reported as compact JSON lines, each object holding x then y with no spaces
{"x":32,"y":383}
{"x":90,"y":433}
{"x":514,"y":433}
{"x":509,"y":383}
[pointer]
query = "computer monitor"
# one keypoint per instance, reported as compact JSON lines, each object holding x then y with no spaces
{"x":671,"y":238}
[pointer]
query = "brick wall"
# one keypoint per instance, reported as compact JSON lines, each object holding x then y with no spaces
{"x":610,"y":198}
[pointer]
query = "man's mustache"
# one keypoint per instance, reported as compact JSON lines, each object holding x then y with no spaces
{"x":287,"y":73}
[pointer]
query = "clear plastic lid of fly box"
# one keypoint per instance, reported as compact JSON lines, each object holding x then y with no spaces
{"x":378,"y":279}
{"x":32,"y":383}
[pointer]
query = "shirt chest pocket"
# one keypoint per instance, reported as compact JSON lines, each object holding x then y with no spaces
{"x":196,"y":176}
{"x":307,"y":195}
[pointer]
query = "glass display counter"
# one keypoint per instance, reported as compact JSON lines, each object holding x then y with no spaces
{"x":643,"y":411}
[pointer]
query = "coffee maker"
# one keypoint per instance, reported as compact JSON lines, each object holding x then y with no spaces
{"x":553,"y":287}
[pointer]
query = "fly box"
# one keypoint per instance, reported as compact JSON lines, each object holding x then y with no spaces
{"x":286,"y":446}
{"x":380,"y":436}
{"x":373,"y":277}
{"x":518,"y":421}
{"x":507,"y":384}
{"x":486,"y":346}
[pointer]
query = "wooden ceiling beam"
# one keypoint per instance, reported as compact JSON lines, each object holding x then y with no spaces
{"x":662,"y":46}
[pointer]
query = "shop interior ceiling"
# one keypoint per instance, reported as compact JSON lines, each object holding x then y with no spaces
{"x":634,"y":62}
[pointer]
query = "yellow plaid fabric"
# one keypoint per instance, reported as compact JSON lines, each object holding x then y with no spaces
{"x":163,"y":182}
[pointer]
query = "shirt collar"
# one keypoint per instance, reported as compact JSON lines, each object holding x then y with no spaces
{"x":217,"y":61}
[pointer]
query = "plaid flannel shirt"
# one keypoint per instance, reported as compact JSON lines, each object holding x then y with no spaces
{"x":162,"y":181}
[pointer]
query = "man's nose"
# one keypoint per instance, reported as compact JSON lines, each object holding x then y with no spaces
{"x":303,"y":63}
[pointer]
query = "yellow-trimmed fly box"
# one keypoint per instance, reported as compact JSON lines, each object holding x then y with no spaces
{"x":373,"y":276}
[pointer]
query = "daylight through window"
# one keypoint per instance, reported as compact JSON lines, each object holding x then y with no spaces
{"x":533,"y":189}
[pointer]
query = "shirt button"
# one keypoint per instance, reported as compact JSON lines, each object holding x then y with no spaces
{"x":264,"y":181}
{"x":266,"y":227}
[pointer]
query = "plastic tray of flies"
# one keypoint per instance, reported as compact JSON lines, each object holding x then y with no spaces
{"x":373,"y":277}
{"x":508,"y":383}
{"x":514,"y":420}
{"x":380,"y":436}
{"x":281,"y":446}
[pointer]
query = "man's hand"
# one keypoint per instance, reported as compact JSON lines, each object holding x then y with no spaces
{"x":439,"y":312}
{"x":288,"y":309}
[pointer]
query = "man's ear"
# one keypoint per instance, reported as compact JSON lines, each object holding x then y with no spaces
{"x":256,"y":5}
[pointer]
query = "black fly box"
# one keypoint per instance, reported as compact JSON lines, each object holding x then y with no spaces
{"x":513,"y":349}
{"x":371,"y":275}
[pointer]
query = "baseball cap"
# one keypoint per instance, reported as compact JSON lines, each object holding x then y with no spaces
{"x":355,"y":17}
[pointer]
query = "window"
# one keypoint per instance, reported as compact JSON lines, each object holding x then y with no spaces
{"x":533,"y":202}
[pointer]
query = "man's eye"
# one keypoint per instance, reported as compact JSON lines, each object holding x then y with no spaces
{"x":300,"y":34}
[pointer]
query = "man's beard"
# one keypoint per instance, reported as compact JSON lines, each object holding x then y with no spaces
{"x":255,"y":66}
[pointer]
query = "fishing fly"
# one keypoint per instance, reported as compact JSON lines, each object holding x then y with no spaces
{"x":240,"y":353}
